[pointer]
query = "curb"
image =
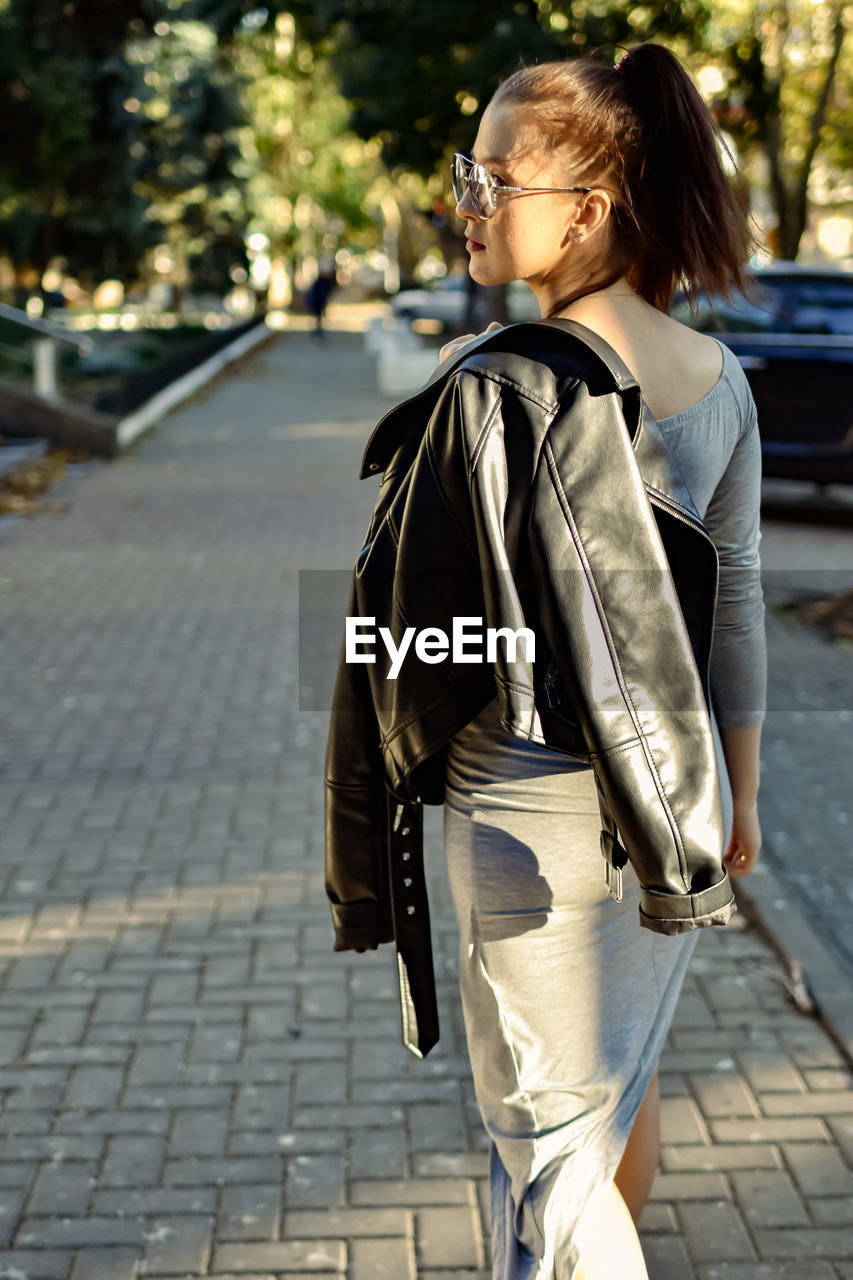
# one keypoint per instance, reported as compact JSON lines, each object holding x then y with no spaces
{"x":771,"y":906}
{"x":130,"y":428}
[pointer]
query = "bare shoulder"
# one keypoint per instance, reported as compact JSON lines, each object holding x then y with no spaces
{"x":674,"y":365}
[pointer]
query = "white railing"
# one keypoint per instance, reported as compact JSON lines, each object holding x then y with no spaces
{"x":44,"y":348}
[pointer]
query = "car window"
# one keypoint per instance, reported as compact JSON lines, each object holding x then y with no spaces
{"x":822,"y":306}
{"x":714,"y":315}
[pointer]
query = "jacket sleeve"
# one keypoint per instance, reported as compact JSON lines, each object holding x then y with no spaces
{"x":613,"y":622}
{"x":356,"y":813}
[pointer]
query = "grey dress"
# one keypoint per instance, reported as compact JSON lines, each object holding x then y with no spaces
{"x":566,"y":999}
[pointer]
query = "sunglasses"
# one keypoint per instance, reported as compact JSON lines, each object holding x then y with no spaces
{"x":483,"y":186}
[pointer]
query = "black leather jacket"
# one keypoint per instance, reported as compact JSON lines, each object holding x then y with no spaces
{"x":527,"y":485}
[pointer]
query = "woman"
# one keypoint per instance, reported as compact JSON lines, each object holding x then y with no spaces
{"x":602,"y":189}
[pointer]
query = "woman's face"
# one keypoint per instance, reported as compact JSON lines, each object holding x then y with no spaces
{"x":529,"y":236}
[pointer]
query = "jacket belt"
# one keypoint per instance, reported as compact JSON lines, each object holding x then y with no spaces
{"x":410,"y":913}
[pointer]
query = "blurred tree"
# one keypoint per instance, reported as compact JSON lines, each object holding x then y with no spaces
{"x":66,"y":169}
{"x":118,"y":121}
{"x":311,"y":180}
{"x":787,"y":94}
{"x":190,"y":110}
{"x":414,"y":74}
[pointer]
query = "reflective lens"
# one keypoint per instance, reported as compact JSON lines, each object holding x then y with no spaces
{"x":468,"y":176}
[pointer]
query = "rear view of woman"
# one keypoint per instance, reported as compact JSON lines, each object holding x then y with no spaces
{"x":567,"y":1002}
{"x":603,"y":188}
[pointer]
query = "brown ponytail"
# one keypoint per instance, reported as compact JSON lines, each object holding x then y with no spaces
{"x":642,"y":131}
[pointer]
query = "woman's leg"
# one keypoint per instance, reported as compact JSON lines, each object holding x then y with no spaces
{"x":614,"y":1249}
{"x":638,"y":1166}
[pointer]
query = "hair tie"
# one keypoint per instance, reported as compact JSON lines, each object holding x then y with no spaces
{"x":621,"y":63}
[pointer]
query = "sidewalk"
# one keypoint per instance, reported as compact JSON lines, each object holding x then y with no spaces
{"x":193,"y":1083}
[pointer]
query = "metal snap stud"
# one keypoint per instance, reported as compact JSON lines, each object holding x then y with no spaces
{"x":406,"y":856}
{"x":407,"y":882}
{"x":410,"y":910}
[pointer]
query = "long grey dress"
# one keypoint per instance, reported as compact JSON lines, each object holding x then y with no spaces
{"x":566,"y":999}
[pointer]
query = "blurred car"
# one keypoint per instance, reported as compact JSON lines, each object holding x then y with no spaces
{"x":795,"y":344}
{"x":444,"y":302}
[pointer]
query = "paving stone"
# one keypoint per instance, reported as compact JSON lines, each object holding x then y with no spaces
{"x":666,"y":1257}
{"x":827,"y":1102}
{"x":341,"y":1223}
{"x":768,"y":1198}
{"x":723,"y":1093}
{"x":689,"y":1186}
{"x":818,"y":1169}
{"x":714,"y":1231}
{"x":116,"y":1263}
{"x":799,"y":1129}
{"x":769,"y":1071}
{"x":832,"y":1211}
{"x":177,"y":1243}
{"x":379,"y":1154}
{"x":198,"y":1133}
{"x":132,"y":1161}
{"x":444,"y":1164}
{"x":766,"y":1271}
{"x":64,"y":1189}
{"x":747,"y":1155}
{"x":435,"y":1128}
{"x":448,"y":1237}
{"x":411,"y":1191}
{"x":321,"y":1082}
{"x":249,"y":1213}
{"x":199,"y":1171}
{"x":681,"y":1121}
{"x":35,"y":1264}
{"x":11,"y":1203}
{"x":805,"y":1242}
{"x":284,"y":1255}
{"x":17,"y":1177}
{"x":74,"y":1232}
{"x":94,"y":1086}
{"x":260,"y":1106}
{"x":112,"y":1122}
{"x":656,"y":1218}
{"x":841,"y":1129}
{"x":155,"y":1200}
{"x":314,"y":1181}
{"x":382,"y":1260}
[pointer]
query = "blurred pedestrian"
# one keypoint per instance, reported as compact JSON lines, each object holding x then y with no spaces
{"x":317,"y":295}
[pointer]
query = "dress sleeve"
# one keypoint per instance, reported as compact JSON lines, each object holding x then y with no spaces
{"x":738,"y":667}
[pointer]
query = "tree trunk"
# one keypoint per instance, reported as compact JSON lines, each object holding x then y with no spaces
{"x":799,"y":203}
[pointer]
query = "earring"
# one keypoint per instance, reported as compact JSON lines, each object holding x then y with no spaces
{"x":577,"y":237}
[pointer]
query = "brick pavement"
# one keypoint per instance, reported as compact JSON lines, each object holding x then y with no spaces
{"x":193,"y":1084}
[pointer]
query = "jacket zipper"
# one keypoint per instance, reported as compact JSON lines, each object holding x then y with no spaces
{"x":548,"y":685}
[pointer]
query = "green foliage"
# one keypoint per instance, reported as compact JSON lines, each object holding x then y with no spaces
{"x":66,"y":172}
{"x":309,"y":176}
{"x":416,"y":73}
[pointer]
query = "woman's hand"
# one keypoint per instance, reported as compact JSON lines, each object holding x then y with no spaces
{"x":450,"y":348}
{"x":742,"y":853}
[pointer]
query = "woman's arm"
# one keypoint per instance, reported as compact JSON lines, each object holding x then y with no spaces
{"x":738,"y":670}
{"x":741,"y":749}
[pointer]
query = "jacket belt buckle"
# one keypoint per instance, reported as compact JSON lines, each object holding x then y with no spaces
{"x":613,"y":880}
